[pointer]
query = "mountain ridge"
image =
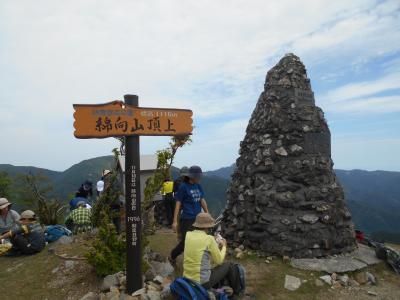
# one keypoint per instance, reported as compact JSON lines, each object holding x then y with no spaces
{"x":373,"y":196}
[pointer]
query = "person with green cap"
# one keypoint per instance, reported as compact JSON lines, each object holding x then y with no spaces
{"x":189,"y":203}
{"x":27,"y":237}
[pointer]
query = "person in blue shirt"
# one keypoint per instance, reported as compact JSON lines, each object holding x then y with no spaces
{"x":189,"y":203}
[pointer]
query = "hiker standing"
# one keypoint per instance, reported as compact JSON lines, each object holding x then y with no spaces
{"x":202,"y":248}
{"x":183,"y":174}
{"x":86,"y":190}
{"x":189,"y":203}
{"x":8,"y":217}
{"x":27,"y":237}
{"x":168,"y":198}
{"x":80,"y":219}
{"x":100,"y":186}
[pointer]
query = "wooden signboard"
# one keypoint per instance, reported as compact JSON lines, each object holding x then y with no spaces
{"x":126,"y":119}
{"x":119,"y":119}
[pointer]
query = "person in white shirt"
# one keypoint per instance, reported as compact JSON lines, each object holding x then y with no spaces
{"x":100,"y":187}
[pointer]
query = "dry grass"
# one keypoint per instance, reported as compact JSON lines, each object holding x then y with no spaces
{"x":32,"y":277}
{"x":266,"y":281}
{"x":44,"y":275}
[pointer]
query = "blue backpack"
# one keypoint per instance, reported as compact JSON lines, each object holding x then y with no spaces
{"x":54,"y":232}
{"x":186,"y":289}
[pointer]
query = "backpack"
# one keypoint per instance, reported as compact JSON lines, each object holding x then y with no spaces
{"x":220,"y":295}
{"x":239,"y":278}
{"x":54,"y":232}
{"x":187,"y":289}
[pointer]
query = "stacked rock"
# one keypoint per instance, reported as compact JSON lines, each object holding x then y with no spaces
{"x":284,"y":197}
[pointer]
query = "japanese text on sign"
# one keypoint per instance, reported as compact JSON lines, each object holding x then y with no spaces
{"x":117,"y":119}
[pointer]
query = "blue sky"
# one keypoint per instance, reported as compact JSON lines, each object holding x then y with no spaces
{"x":208,"y":56}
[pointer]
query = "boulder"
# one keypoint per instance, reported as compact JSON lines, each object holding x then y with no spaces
{"x":327,"y":279}
{"x":91,"y":296}
{"x":370,"y":278}
{"x":341,"y":264}
{"x":64,"y":240}
{"x":292,"y":283}
{"x":163,"y":269}
{"x":108,"y":282}
{"x":69,"y":264}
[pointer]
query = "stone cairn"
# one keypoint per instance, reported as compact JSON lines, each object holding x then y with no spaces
{"x":284,"y":197}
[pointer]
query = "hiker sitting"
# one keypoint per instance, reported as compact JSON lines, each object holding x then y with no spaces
{"x":27,"y":237}
{"x":80,"y":219}
{"x":201,"y":250}
{"x":8,"y":217}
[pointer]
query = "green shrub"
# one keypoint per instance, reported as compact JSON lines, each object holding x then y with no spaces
{"x":108,"y":252}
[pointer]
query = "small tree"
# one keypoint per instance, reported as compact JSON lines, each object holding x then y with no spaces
{"x":108,"y":251}
{"x":154,"y":183}
{"x":5,"y":185}
{"x":111,"y":194}
{"x":165,"y":160}
{"x":34,"y":194}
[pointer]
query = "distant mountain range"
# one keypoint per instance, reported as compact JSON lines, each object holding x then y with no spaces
{"x":373,"y":196}
{"x":66,"y":183}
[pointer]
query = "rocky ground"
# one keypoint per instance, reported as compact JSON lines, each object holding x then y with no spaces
{"x":61,"y":274}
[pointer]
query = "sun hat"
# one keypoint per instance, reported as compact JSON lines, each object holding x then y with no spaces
{"x":106,"y":172}
{"x":184,"y":171}
{"x":195,"y":172}
{"x":28,"y":214}
{"x":204,"y":220}
{"x":4,"y":203}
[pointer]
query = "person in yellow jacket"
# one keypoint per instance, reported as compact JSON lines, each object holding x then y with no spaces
{"x":203,"y":260}
{"x":169,"y":201}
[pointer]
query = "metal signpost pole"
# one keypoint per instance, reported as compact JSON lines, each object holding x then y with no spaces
{"x":132,"y":208}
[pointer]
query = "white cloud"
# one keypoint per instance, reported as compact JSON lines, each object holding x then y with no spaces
{"x":383,"y":104}
{"x":365,"y":88}
{"x":170,"y":53}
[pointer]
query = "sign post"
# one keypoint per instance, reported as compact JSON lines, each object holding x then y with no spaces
{"x":127,"y":119}
{"x":132,"y":207}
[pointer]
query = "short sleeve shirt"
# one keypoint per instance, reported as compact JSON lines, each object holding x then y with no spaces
{"x":11,"y":219}
{"x":190,"y":195}
{"x":100,"y":185}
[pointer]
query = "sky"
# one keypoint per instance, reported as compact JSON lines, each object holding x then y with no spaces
{"x":209,"y":56}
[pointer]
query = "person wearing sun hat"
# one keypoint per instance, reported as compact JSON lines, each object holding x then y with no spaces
{"x":27,"y":237}
{"x":8,"y":217}
{"x":202,"y":251}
